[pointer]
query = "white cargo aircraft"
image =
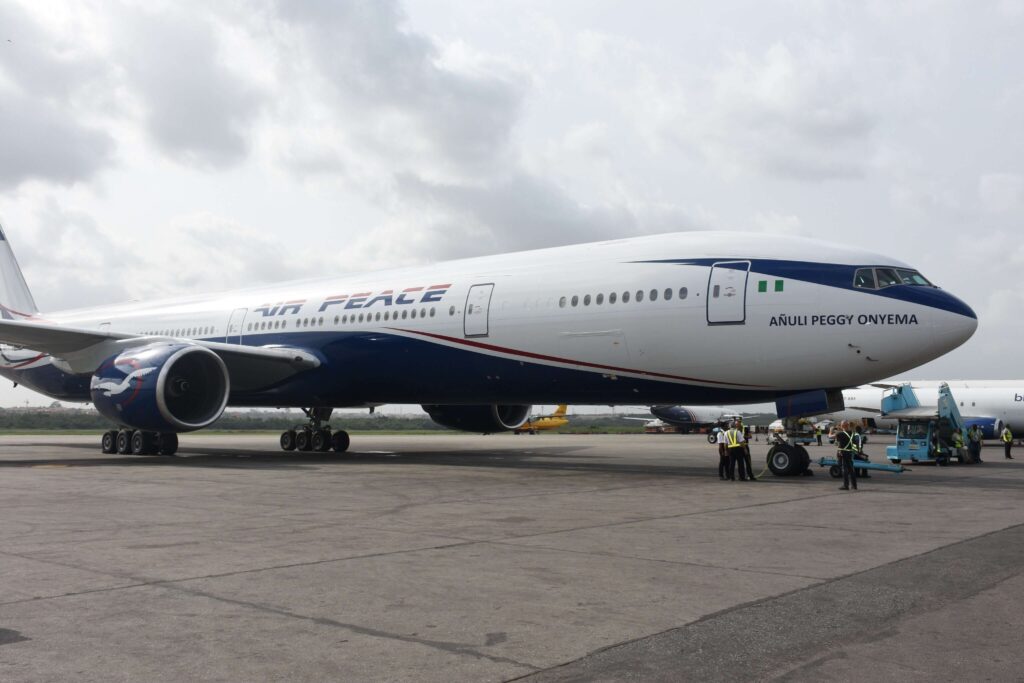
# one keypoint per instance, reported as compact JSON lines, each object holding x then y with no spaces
{"x":989,"y":404}
{"x":694,"y":317}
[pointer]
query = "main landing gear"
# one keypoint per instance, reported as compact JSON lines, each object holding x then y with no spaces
{"x":139,"y":442}
{"x":315,"y":435}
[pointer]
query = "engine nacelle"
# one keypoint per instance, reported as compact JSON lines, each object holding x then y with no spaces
{"x":484,"y":419}
{"x":164,"y":387}
{"x":990,"y":426}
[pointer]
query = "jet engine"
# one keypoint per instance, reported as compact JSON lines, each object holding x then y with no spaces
{"x":484,"y":419}
{"x":990,"y":426}
{"x":163,"y":387}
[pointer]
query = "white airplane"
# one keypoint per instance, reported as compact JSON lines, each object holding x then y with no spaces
{"x":677,"y":318}
{"x":989,"y":404}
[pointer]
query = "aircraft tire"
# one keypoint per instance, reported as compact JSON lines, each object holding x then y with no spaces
{"x":783,"y":461}
{"x":340,"y":441}
{"x":835,"y":471}
{"x":711,"y":437}
{"x":167,"y":443}
{"x":321,"y":440}
{"x":108,"y":444}
{"x":124,"y":442}
{"x":303,"y":440}
{"x":288,"y":440}
{"x":142,"y":443}
{"x":805,"y":459}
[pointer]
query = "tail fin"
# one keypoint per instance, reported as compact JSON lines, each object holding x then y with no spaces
{"x":560,"y":411}
{"x":16,"y":300}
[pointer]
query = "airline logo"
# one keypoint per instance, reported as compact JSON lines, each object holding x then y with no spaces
{"x":388,"y":297}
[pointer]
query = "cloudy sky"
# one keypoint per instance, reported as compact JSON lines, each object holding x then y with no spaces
{"x":150,"y":149}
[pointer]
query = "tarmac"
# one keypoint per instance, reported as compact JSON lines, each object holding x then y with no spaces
{"x":497,"y":558}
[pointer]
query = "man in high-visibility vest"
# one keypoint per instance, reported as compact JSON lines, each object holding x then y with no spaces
{"x":1007,"y":436}
{"x":735,"y":445}
{"x":958,"y":446}
{"x":817,"y":434}
{"x":844,"y":442}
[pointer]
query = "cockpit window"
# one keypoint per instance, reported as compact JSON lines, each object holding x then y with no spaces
{"x":912,"y":277}
{"x":864,"y":278}
{"x":887,"y":277}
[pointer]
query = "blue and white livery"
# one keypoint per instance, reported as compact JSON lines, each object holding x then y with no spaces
{"x":699,"y":317}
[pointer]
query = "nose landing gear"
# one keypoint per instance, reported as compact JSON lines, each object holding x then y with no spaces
{"x":315,"y":435}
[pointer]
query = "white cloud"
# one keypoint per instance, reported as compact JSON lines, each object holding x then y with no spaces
{"x":1001,"y":192}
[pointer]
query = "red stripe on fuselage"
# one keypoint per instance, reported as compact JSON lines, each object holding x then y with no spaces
{"x":569,"y":361}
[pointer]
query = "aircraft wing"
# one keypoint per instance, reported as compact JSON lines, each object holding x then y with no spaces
{"x":249,"y":367}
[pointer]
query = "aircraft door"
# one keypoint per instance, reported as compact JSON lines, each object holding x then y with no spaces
{"x":233,"y":335}
{"x":478,"y":307}
{"x":727,"y":293}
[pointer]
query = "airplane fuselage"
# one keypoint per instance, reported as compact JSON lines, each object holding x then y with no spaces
{"x":689,"y":317}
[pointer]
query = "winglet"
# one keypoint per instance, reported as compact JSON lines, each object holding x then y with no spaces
{"x":16,"y":302}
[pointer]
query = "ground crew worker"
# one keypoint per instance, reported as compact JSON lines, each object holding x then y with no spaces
{"x":844,"y":441}
{"x":723,"y":455}
{"x":939,"y":451}
{"x":958,"y":446}
{"x":746,"y":454}
{"x":974,"y":443}
{"x":734,"y":444}
{"x":858,"y":453}
{"x":1007,"y":436}
{"x":817,"y":434}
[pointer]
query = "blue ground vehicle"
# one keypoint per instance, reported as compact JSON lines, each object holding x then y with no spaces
{"x":924,"y":428}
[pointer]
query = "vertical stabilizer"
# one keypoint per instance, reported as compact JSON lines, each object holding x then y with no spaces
{"x":16,"y":300}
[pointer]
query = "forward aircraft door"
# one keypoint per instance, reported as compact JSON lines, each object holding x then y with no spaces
{"x":478,"y":308}
{"x":234,"y":331}
{"x":727,"y":293}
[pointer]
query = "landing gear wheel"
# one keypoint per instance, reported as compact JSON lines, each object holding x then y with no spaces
{"x":835,"y":471}
{"x":288,"y":440}
{"x":124,"y":442}
{"x":712,"y":437}
{"x":108,"y":443}
{"x":142,"y":443}
{"x":805,"y":459}
{"x":784,"y":461}
{"x":167,"y":443}
{"x":303,"y":440}
{"x":321,"y":441}
{"x":340,"y":441}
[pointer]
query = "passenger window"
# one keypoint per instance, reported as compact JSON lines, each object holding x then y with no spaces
{"x":561,"y":303}
{"x":586,"y":300}
{"x":668,"y":294}
{"x":377,"y":317}
{"x":654,"y":295}
{"x":625,"y":297}
{"x":611,"y":298}
{"x":469,"y":310}
{"x":575,"y":300}
{"x":432,"y":312}
{"x":886,"y":277}
{"x":423,"y":313}
{"x":639,"y":295}
{"x":864,"y":278}
{"x":360,"y":317}
{"x":683,"y":292}
{"x":599,"y":299}
{"x":451,"y":309}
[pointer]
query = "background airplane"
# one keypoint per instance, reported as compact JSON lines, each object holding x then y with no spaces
{"x":677,"y":318}
{"x":541,"y":423}
{"x":990,"y":404}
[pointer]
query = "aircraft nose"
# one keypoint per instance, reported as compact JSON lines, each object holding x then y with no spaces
{"x":954,"y":321}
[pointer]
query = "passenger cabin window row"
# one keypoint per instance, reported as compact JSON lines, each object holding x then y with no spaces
{"x":614,"y":297}
{"x":181,"y":332}
{"x":346,"y":319}
{"x":880,"y":278}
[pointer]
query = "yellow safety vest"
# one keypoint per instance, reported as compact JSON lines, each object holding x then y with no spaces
{"x":958,"y":440}
{"x":850,"y":446}
{"x":733,"y":436}
{"x":1007,"y":436}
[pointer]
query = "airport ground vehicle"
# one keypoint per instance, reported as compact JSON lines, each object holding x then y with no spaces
{"x":922,"y":429}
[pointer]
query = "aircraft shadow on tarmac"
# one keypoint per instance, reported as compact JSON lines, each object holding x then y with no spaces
{"x":551,"y":458}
